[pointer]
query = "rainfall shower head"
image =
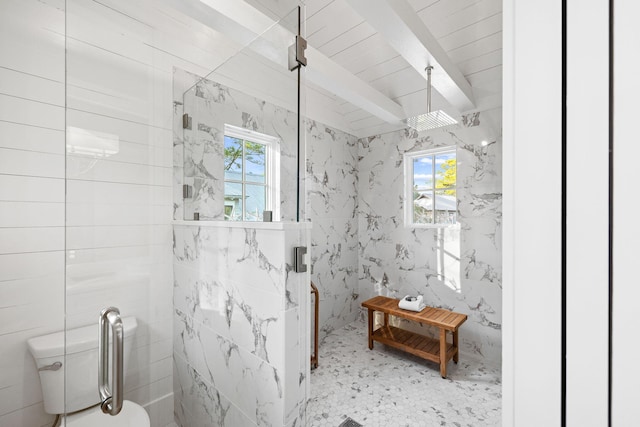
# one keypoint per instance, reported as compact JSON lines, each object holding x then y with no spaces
{"x":430,"y":120}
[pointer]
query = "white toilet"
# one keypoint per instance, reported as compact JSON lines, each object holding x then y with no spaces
{"x":81,"y":367}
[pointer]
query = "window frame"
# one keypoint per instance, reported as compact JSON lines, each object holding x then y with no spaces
{"x":272,"y":168}
{"x":408,"y":160}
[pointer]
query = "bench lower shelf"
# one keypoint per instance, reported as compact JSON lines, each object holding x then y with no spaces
{"x":419,"y":345}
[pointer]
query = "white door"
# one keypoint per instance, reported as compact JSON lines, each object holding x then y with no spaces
{"x":626,"y":227}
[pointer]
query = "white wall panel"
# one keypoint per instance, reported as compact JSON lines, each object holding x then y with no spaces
{"x":24,"y":137}
{"x":120,"y":214}
{"x":115,"y":87}
{"x":40,"y":239}
{"x":37,"y":43}
{"x":34,"y":113}
{"x":531,"y":244}
{"x":29,"y":163}
{"x":118,"y":236}
{"x":587,"y":212}
{"x":24,"y":266}
{"x":82,"y":168}
{"x":626,"y":229}
{"x":16,"y":83}
{"x":31,"y":214}
{"x":116,"y":193}
{"x":31,"y":291}
{"x":31,"y":189}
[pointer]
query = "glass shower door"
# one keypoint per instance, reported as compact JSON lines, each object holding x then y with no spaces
{"x":118,"y":200}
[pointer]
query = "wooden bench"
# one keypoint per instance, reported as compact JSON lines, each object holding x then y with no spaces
{"x":439,"y":351}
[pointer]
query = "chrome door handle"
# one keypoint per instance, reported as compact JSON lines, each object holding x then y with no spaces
{"x":111,"y":392}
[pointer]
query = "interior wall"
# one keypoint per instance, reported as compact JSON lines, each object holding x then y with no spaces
{"x":331,"y":181}
{"x":119,"y":175}
{"x":241,"y":314}
{"x":241,"y":324}
{"x":532,"y":256}
{"x":332,"y":203}
{"x":119,"y":208}
{"x":32,"y":196}
{"x":456,"y":268}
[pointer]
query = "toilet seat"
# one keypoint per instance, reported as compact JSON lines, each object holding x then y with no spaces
{"x":131,"y":415}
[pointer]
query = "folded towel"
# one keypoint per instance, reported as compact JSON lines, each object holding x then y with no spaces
{"x":412,"y":303}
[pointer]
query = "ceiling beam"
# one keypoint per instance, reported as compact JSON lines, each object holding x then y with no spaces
{"x":403,"y":29}
{"x":330,"y":76}
{"x":321,"y":70}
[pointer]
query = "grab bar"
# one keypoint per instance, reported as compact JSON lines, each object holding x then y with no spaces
{"x":314,"y":356}
{"x":110,"y":392}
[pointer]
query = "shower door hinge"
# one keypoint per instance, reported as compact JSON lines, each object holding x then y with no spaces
{"x":187,"y":191}
{"x":186,"y":121}
{"x":296,"y":54}
{"x":300,"y":259}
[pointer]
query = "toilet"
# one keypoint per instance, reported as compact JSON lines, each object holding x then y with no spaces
{"x":82,"y":406}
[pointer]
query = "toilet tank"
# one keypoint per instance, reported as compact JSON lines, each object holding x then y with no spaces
{"x":79,"y":368}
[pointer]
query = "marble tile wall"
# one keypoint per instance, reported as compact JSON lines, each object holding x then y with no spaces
{"x":199,"y":151}
{"x":331,"y":181}
{"x":240,"y":325}
{"x":358,"y":237}
{"x":332,"y":201}
{"x":458,"y":268}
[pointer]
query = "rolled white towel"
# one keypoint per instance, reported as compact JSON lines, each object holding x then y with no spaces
{"x":412,"y":303}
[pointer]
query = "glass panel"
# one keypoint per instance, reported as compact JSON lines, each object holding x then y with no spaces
{"x":446,"y":206}
{"x":255,"y":201}
{"x":232,"y":201}
{"x":255,"y":162}
{"x":423,"y":173}
{"x":232,"y":158}
{"x":445,"y":170}
{"x":422,"y":207}
{"x":119,"y":202}
{"x":251,"y":89}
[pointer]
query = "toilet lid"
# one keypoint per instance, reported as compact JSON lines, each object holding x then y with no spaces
{"x":131,"y":415}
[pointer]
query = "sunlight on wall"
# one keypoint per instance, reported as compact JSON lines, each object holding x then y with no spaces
{"x":448,"y":257}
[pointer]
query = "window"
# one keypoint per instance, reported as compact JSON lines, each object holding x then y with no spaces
{"x":250,"y":174}
{"x":430,"y":188}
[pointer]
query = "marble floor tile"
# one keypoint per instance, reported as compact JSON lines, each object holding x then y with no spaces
{"x":390,"y":388}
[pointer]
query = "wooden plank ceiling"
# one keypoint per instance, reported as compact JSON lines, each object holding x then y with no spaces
{"x":469,"y":31}
{"x":360,"y":83}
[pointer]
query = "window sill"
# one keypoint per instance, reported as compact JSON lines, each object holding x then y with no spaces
{"x":275,"y":225}
{"x":428,"y":226}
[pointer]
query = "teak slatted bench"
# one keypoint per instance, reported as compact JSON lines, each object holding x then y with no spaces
{"x":439,"y":351}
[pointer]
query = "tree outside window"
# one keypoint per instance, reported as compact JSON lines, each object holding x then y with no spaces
{"x":248,"y":184}
{"x":432,"y":179}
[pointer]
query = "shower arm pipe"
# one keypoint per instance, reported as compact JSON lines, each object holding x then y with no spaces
{"x":428,"y":70}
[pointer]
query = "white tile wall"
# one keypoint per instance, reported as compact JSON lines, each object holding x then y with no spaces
{"x":31,"y":200}
{"x":118,"y":211}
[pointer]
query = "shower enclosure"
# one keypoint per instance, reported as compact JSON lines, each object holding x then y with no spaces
{"x":102,"y":92}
